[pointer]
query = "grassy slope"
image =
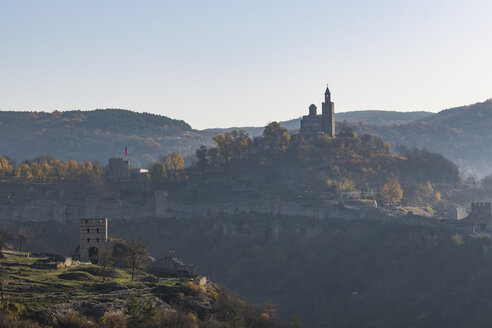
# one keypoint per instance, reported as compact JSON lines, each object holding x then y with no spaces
{"x":46,"y":295}
{"x":40,"y":288}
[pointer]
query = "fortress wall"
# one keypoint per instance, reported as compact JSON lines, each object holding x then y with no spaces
{"x":179,"y":209}
{"x":90,"y":207}
{"x":47,"y":210}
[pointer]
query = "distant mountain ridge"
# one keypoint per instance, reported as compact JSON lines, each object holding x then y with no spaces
{"x":462,"y":134}
{"x":373,"y":117}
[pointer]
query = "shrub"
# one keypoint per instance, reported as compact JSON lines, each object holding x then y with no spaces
{"x":142,"y":312}
{"x":177,"y":319}
{"x":113,"y":320}
{"x":72,"y":319}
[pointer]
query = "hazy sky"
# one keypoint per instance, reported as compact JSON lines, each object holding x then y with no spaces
{"x":238,"y":63}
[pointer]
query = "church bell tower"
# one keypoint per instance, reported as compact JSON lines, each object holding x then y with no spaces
{"x":328,"y":115}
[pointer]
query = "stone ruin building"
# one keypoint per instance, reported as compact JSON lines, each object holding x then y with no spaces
{"x":170,"y":264}
{"x":480,"y":216}
{"x":119,"y":169}
{"x":320,"y":124}
{"x":94,"y":237}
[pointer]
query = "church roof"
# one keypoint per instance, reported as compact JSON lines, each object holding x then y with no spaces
{"x":312,"y":117}
{"x":327,"y":92}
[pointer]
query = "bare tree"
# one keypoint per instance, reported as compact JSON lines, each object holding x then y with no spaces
{"x":2,"y":283}
{"x":105,"y":260}
{"x":5,"y":237}
{"x":136,"y":255}
{"x":22,"y":234}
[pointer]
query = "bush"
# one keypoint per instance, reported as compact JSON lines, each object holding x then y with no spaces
{"x":8,"y":320}
{"x":141,"y":312}
{"x":177,"y":319}
{"x":72,"y":319}
{"x":113,"y":320}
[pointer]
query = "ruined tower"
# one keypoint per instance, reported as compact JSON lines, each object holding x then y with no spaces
{"x":328,"y":115}
{"x":93,"y":236}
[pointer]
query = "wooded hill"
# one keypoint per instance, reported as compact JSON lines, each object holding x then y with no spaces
{"x":314,"y":168}
{"x":95,"y":135}
{"x":99,"y":134}
{"x":462,"y":134}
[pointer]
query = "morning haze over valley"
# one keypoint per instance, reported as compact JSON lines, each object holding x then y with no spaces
{"x":220,"y":164}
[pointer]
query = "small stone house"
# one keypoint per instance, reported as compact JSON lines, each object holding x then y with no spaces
{"x":170,"y":264}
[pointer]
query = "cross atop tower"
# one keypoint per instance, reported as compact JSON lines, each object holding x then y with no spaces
{"x":327,"y":92}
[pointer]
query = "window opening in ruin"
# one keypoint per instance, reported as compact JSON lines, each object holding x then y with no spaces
{"x":87,"y":230}
{"x":88,"y":239}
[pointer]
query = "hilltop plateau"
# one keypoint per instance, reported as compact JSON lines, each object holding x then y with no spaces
{"x":311,"y":170}
{"x":462,"y":134}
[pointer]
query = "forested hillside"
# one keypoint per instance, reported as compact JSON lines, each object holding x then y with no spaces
{"x":462,"y":134}
{"x":315,"y":168}
{"x":95,"y":135}
{"x":99,"y":134}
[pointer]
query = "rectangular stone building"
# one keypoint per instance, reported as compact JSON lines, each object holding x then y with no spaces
{"x":93,"y":236}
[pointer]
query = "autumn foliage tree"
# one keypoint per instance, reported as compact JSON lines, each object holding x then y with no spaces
{"x":5,"y":167}
{"x":277,"y":138}
{"x":175,"y":167}
{"x":234,"y":145}
{"x":47,"y":169}
{"x":391,"y":190}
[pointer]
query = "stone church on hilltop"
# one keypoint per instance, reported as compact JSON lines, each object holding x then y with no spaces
{"x":320,"y":124}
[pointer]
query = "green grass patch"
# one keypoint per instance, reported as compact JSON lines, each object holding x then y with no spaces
{"x":41,"y":288}
{"x":76,"y":275}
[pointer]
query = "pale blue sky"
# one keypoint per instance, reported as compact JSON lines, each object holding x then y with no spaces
{"x":238,"y":63}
